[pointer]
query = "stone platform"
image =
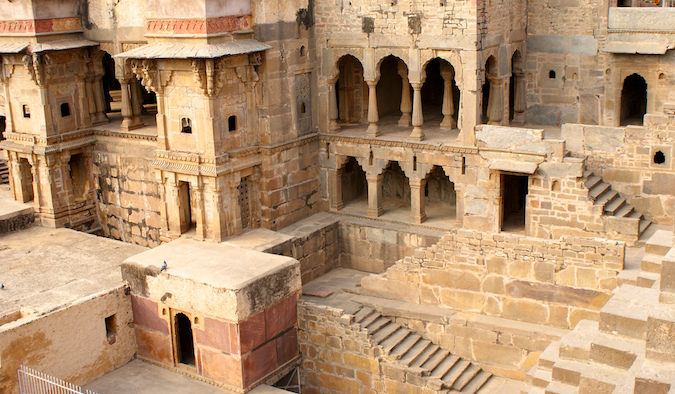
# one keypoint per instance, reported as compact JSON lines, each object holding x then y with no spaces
{"x":14,"y":215}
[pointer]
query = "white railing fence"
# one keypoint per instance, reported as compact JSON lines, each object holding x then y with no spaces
{"x":36,"y":382}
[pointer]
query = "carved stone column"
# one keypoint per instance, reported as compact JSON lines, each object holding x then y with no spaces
{"x":448,"y":75}
{"x":495,"y":106}
{"x":127,"y":121}
{"x":406,"y":103}
{"x":91,"y":100}
{"x":332,"y":107}
{"x":417,"y":212}
{"x":174,"y":211}
{"x":198,"y":204}
{"x":136,"y":103}
{"x":335,"y":194}
{"x":99,"y":100}
{"x":417,"y":116}
{"x":375,"y":195}
{"x":373,"y":116}
{"x":519,"y":97}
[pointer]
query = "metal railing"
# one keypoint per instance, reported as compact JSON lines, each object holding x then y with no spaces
{"x":35,"y":382}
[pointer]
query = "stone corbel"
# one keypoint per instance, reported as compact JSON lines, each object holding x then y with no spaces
{"x":210,"y":78}
{"x":198,"y":73}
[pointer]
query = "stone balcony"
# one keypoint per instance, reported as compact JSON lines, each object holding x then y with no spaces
{"x":641,"y":30}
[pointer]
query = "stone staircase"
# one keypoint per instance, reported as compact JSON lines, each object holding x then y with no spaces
{"x":614,"y":355}
{"x":413,"y":354}
{"x":621,"y":217}
{"x":4,"y":172}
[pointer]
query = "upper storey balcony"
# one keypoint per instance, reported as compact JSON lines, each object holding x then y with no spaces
{"x":641,"y":27}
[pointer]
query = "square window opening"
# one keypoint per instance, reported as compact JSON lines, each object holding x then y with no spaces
{"x":186,"y":125}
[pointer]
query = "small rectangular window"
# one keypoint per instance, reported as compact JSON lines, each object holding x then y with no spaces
{"x":111,"y":328}
{"x":26,"y":111}
{"x":65,"y":110}
{"x":232,"y":123}
{"x":186,"y":126}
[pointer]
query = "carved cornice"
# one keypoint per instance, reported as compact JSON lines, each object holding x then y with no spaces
{"x":40,"y":26}
{"x":199,"y":26}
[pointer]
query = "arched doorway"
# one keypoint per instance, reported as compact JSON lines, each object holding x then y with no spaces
{"x":395,"y":187}
{"x":440,"y":196}
{"x":26,"y":178}
{"x":633,"y":100}
{"x":352,"y":91}
{"x":440,"y":94}
{"x":354,"y":185}
{"x":184,"y":342}
{"x":112,"y":90}
{"x":517,"y":99}
{"x":489,"y":103}
{"x":389,"y":87}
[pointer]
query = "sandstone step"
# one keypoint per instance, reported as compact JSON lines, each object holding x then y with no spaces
{"x":405,"y":345}
{"x":534,"y":390}
{"x":616,"y":351}
{"x":601,"y":379}
{"x":541,"y":378}
{"x":560,"y":388}
{"x":644,"y":225}
{"x":363,"y":313}
{"x":624,"y":211}
{"x":424,"y":356}
{"x":435,"y":360}
{"x":598,"y":190}
{"x":654,"y":377}
{"x":444,"y":367}
{"x":606,"y":198}
{"x":647,"y":279}
{"x":395,"y":339}
{"x":455,"y":372}
{"x":577,"y":344}
{"x":613,"y":206}
{"x":377,"y":325}
{"x":386,"y":332}
{"x":651,"y":263}
{"x":469,"y":373}
{"x":477,"y":382}
{"x":567,"y":372}
{"x":627,"y":277}
{"x":659,"y":243}
{"x":414,"y":352}
{"x":370,"y":319}
{"x":550,"y":355}
{"x":592,"y":180}
{"x":627,"y":311}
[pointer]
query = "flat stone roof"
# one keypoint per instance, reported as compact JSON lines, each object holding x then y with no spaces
{"x":9,"y":207}
{"x":222,"y":266}
{"x":44,"y":268}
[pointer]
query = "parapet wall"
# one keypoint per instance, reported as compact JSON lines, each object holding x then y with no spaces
{"x":552,"y":282}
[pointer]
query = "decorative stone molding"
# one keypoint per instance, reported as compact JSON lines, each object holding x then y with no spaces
{"x":222,"y":24}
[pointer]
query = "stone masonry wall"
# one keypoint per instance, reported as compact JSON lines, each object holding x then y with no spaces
{"x":624,"y":157}
{"x":339,"y":358}
{"x":70,"y":343}
{"x":552,"y":282}
{"x":128,"y":197}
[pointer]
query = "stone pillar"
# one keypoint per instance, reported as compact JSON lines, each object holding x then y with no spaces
{"x":174,"y":210}
{"x":417,"y":117}
{"x":91,"y":100}
{"x":417,"y":213}
{"x":373,"y":117}
{"x":495,"y":106}
{"x":100,"y":100}
{"x":127,"y":121}
{"x":406,"y":103}
{"x":335,"y":194}
{"x":375,"y":195}
{"x":448,"y":75}
{"x":136,"y":103}
{"x":519,"y":98}
{"x":332,"y":107}
{"x":198,"y":204}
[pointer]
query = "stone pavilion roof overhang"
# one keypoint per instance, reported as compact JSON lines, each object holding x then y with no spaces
{"x":194,"y":51}
{"x":8,"y":47}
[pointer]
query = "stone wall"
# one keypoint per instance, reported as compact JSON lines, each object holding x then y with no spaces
{"x":374,"y":249}
{"x":625,"y":158}
{"x":70,"y":343}
{"x":128,"y":196}
{"x":553,"y":282}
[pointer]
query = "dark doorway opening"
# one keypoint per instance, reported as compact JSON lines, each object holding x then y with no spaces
{"x":79,"y":176}
{"x":26,"y":171}
{"x":352,"y":92}
{"x":354,"y":183}
{"x":514,"y":194}
{"x":389,"y":87}
{"x":433,"y":90}
{"x":185,"y":348}
{"x":112,"y":89}
{"x":185,"y":207}
{"x":633,"y":100}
